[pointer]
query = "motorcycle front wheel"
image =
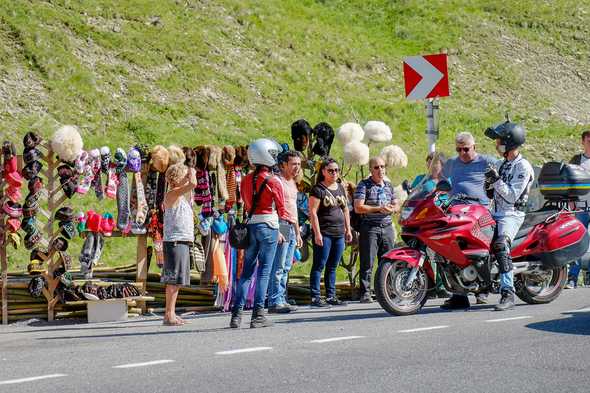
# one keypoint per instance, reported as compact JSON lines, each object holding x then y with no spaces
{"x":391,"y":291}
{"x":541,"y":288}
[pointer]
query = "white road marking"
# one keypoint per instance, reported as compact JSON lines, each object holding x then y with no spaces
{"x":329,"y":340}
{"x":244,"y":350}
{"x":22,"y":380}
{"x":587,"y":309}
{"x":423,"y":329}
{"x":144,"y":364}
{"x":509,"y":319}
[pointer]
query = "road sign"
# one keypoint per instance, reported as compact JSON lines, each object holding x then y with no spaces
{"x":426,"y":77}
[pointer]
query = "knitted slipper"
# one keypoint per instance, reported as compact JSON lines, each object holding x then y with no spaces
{"x":151,"y":187}
{"x":96,"y":178}
{"x":134,"y":160}
{"x":107,"y":224}
{"x":111,"y":188}
{"x":86,"y":253}
{"x":142,"y":205}
{"x":105,"y":159}
{"x":122,"y":190}
{"x":123,"y":202}
{"x":98,"y":247}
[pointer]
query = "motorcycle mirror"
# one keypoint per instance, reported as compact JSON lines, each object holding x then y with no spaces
{"x":443,"y":186}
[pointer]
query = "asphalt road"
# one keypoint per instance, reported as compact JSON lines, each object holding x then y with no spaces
{"x":357,"y":348}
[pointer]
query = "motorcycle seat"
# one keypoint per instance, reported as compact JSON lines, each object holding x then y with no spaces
{"x":531,"y":219}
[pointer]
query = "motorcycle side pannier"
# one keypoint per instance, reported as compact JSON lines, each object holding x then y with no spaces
{"x":559,"y":181}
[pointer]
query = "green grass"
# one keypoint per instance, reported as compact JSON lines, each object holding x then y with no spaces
{"x":227,"y":71}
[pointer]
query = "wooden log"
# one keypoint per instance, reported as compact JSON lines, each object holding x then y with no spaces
{"x":27,"y":311}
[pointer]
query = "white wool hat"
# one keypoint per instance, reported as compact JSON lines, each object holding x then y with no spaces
{"x":349,"y":132}
{"x":394,"y":156}
{"x":356,"y":153}
{"x":377,"y":131}
{"x":67,"y":143}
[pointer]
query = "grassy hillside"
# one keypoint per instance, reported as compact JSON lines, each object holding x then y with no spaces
{"x":197,"y":71}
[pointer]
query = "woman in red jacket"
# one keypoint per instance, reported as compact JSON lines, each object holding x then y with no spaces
{"x":263,"y":228}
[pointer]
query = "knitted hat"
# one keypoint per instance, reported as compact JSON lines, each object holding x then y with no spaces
{"x":30,"y":155}
{"x":134,"y":160}
{"x":31,"y":140}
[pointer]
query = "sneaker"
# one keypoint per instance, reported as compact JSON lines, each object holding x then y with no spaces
{"x":506,"y":301}
{"x":481,"y":298}
{"x":334,"y":301}
{"x":366,"y":298}
{"x":570,"y":285}
{"x":319,"y":303}
{"x":456,"y":302}
{"x":279,"y":309}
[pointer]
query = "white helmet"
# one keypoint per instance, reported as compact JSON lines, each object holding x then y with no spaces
{"x":263,"y":152}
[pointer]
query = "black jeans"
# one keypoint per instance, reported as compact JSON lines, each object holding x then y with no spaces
{"x":374,"y":241}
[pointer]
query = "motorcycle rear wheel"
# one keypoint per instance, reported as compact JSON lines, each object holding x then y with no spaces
{"x":391,"y":292}
{"x":538,"y":291}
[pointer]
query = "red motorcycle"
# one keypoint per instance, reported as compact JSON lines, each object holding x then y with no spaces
{"x":456,"y":234}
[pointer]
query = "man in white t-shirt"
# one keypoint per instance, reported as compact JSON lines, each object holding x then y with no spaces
{"x":583,"y":160}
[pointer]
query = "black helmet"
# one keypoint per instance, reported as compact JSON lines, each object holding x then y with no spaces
{"x":511,"y":134}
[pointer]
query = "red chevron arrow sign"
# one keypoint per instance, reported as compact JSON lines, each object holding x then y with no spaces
{"x":426,"y":77}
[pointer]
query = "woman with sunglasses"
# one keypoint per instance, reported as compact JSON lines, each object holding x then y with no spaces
{"x":329,"y":217}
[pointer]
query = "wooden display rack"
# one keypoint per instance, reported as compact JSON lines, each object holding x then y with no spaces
{"x":54,"y":260}
{"x":55,"y":199}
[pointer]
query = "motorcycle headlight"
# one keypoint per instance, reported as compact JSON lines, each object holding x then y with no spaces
{"x":406,"y":211}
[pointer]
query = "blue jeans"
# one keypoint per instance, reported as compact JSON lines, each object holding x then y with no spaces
{"x":277,"y":285}
{"x":508,"y":226}
{"x":576,"y":266}
{"x":262,"y":248}
{"x":327,"y":256}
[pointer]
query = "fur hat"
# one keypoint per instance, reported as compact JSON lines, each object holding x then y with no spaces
{"x":377,"y":131}
{"x":301,"y":133}
{"x":229,"y":155}
{"x":190,"y":157}
{"x":394,"y":156}
{"x":160,"y":158}
{"x":176,"y":154}
{"x":203,"y":153}
{"x":215,"y":153}
{"x":241,"y":159}
{"x":356,"y":153}
{"x":67,"y":143}
{"x":324,"y":134}
{"x":349,"y":132}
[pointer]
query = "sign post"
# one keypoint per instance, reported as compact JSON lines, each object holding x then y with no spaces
{"x":427,"y":78}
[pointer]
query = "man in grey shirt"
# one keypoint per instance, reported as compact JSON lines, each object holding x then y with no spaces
{"x":466,"y":172}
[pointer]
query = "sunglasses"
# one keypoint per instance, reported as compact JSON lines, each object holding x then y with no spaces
{"x":379,"y":167}
{"x":462,"y":149}
{"x":332,"y":170}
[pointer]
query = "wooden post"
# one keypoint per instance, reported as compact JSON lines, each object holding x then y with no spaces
{"x":142,"y":268}
{"x":4,"y":284}
{"x":51,"y":206}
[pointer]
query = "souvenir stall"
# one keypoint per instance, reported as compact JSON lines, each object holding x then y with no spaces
{"x":52,"y":195}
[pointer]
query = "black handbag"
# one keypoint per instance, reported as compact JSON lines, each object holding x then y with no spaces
{"x":238,"y":234}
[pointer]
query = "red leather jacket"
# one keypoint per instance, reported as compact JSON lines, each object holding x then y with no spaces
{"x":273,"y":192}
